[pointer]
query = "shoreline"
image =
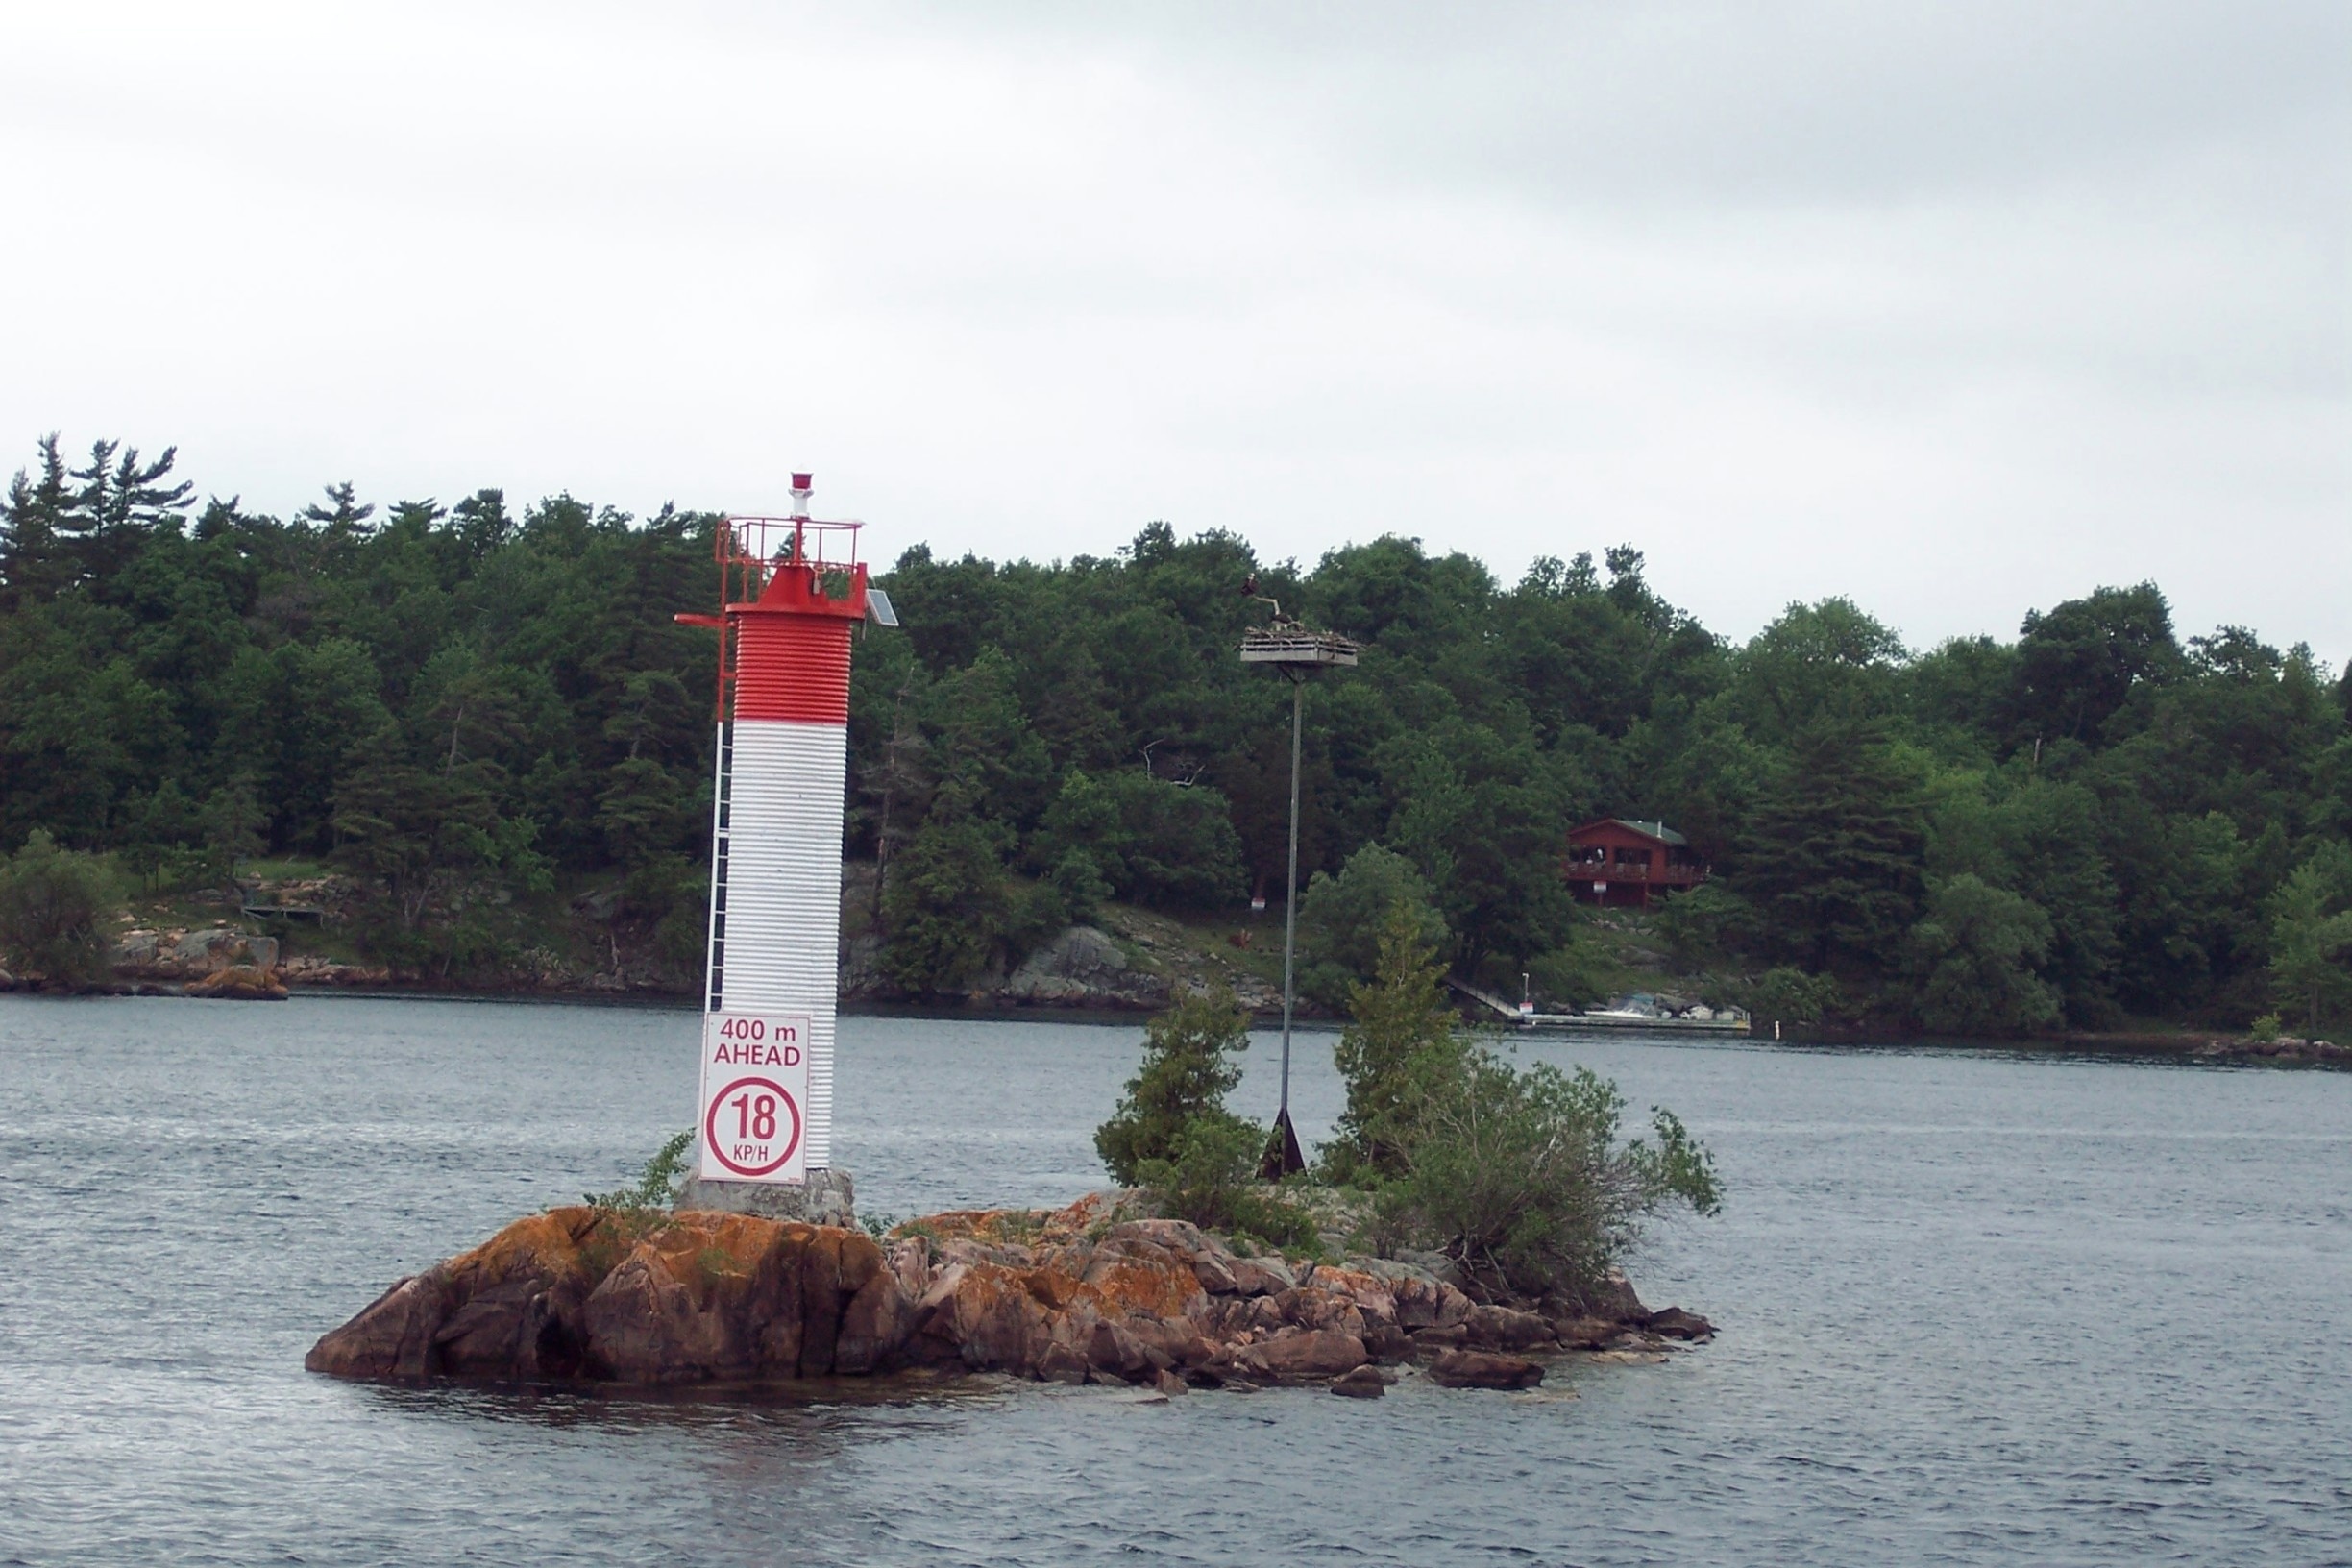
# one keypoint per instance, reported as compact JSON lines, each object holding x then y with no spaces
{"x":2213,"y":1046}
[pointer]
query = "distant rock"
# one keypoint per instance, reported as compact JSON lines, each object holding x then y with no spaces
{"x":1084,"y":966}
{"x":144,"y":954}
{"x":240,"y":983}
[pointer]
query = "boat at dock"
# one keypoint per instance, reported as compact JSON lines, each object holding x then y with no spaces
{"x":1647,"y":1011}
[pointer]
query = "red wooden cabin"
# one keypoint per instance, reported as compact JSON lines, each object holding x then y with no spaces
{"x":1613,"y":861}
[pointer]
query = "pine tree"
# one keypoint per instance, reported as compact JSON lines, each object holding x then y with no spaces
{"x":1834,"y":852}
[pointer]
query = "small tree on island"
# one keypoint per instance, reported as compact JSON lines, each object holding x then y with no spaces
{"x":1185,"y":1076}
{"x":1173,"y":1136}
{"x":1519,"y":1176}
{"x":1397,"y":1019}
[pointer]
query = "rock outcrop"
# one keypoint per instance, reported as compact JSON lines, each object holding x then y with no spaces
{"x":1084,"y":966}
{"x":1077,"y":1295}
{"x":240,"y":983}
{"x":190,"y":955}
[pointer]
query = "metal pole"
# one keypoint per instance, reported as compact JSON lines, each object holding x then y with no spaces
{"x":1298,"y":710}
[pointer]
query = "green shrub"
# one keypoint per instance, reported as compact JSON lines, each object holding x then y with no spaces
{"x":1209,"y":1177}
{"x":1572,"y":975}
{"x":2266,"y":1028}
{"x":1184,"y":1079}
{"x":1520,"y":1177}
{"x":1793,"y":996}
{"x":57,"y":913}
{"x":658,"y":1180}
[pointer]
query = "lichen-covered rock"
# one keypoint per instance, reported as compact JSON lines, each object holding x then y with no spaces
{"x":1084,"y":966}
{"x":1088,"y":1293}
{"x":681,"y":1298}
{"x":983,"y":1315}
{"x":511,"y":1307}
{"x":1260,"y":1276}
{"x":706,"y":1296}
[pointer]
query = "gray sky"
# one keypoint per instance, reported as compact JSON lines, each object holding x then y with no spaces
{"x":1957,"y":309}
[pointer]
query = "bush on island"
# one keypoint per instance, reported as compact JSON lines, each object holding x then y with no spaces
{"x":1210,"y":1178}
{"x":1173,"y":1136}
{"x":57,"y":913}
{"x":1520,"y":1177}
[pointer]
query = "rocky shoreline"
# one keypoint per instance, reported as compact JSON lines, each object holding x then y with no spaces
{"x":1077,"y":1295}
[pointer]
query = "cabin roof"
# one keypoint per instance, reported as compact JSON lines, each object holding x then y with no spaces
{"x":1659,"y":831}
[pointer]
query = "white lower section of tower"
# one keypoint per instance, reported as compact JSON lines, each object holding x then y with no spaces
{"x":775,"y":904}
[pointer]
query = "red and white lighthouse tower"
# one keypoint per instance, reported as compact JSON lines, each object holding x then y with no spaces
{"x":790,"y":591}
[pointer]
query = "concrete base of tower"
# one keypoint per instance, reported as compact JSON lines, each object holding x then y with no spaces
{"x":826,"y":1199}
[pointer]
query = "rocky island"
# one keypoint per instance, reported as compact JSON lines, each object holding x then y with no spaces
{"x":1088,"y":1293}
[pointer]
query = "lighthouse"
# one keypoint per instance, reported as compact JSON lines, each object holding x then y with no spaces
{"x":791,"y":590}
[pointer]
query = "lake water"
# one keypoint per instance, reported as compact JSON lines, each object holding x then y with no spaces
{"x":1975,"y":1307}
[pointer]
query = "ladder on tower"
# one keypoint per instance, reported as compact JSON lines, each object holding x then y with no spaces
{"x":720,"y":834}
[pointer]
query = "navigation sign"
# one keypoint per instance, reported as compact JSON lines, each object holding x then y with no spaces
{"x":754,"y":1088}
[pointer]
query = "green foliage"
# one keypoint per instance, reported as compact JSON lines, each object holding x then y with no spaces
{"x":1835,"y":846}
{"x":459,"y":703}
{"x":1341,"y":919}
{"x":1978,"y":950}
{"x":1144,"y":839}
{"x":1208,"y":1176}
{"x":1708,"y":924}
{"x":1790,"y":995}
{"x":1398,"y":1017}
{"x":1186,"y":1073}
{"x":1573,"y":974}
{"x":950,"y":907}
{"x":657,"y":1183}
{"x":2266,"y":1028}
{"x":56,"y":911}
{"x":1521,"y":1178}
{"x":2310,"y":935}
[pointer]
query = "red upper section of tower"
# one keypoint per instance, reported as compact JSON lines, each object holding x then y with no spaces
{"x":790,"y":590}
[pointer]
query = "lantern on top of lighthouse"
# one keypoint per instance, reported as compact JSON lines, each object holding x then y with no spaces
{"x":791,"y":590}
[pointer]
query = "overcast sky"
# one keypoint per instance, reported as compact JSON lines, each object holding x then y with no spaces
{"x":1957,"y":309}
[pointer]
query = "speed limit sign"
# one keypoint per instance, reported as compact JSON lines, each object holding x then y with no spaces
{"x":754,"y":1089}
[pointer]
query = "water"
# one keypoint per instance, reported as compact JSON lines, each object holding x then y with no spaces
{"x":1975,"y":1309}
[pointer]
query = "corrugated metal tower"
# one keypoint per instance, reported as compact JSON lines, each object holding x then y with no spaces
{"x":791,"y":590}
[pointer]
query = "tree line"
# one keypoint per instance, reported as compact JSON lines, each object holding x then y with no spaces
{"x":463,"y":705}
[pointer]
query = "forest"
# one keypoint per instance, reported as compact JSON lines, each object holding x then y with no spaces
{"x":462,"y":706}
